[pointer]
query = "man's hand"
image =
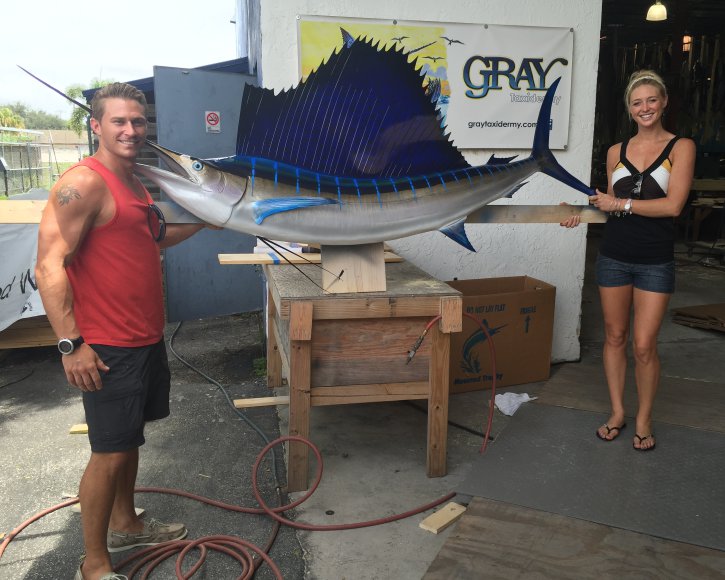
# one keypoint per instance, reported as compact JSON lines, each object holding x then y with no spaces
{"x":81,"y":369}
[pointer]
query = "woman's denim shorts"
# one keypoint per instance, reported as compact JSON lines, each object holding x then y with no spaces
{"x":649,"y":277}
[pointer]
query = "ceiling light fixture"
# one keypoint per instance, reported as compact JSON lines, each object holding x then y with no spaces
{"x":657,"y":12}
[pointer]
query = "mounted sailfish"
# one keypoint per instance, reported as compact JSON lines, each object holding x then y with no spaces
{"x":353,"y":155}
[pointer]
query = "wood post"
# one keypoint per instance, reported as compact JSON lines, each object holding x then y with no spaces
{"x":300,"y":335}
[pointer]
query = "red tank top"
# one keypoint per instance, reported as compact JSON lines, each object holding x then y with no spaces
{"x":116,"y":273}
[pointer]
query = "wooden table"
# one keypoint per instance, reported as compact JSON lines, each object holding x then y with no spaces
{"x":338,"y":349}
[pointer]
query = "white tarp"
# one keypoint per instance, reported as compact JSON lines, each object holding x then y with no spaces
{"x":492,"y":77}
{"x":19,"y":297}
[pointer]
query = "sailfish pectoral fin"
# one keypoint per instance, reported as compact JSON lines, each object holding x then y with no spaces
{"x":515,"y":189}
{"x":457,"y":232}
{"x":264,"y":209}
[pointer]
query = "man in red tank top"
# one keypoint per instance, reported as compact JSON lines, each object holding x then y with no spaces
{"x":99,"y":276}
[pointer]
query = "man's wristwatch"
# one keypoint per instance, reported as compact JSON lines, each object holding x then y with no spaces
{"x":628,"y":206}
{"x":68,"y":345}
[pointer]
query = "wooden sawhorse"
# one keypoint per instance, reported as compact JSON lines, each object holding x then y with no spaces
{"x":337,"y":349}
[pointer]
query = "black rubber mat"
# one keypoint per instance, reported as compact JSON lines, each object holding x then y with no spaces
{"x":549,"y":458}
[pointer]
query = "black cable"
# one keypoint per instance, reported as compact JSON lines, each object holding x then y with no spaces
{"x":451,"y":423}
{"x":17,"y":380}
{"x":241,"y":415}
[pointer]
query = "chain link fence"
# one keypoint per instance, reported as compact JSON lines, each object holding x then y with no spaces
{"x":24,"y":166}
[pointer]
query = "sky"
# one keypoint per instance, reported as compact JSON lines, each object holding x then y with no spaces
{"x":67,"y":43}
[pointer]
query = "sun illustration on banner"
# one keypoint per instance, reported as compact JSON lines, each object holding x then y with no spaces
{"x":426,"y":47}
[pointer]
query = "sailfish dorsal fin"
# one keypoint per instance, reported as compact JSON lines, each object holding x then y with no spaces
{"x":363,"y":113}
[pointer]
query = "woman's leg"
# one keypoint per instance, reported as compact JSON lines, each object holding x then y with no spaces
{"x":616,"y":305}
{"x":649,"y":311}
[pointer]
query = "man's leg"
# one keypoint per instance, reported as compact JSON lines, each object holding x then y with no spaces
{"x":123,"y":516}
{"x":98,"y":491}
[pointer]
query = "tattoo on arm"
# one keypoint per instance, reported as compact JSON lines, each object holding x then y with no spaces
{"x":66,"y":193}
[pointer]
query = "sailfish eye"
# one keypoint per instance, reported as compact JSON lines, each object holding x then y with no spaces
{"x":197,"y":166}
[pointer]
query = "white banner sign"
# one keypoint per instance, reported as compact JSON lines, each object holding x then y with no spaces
{"x":492,"y":78}
{"x":19,"y":297}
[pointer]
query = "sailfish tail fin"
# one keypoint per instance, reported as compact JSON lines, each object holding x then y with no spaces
{"x":541,"y":152}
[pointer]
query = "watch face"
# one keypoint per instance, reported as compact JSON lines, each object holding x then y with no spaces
{"x":65,"y":346}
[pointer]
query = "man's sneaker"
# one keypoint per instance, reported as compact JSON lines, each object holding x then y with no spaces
{"x":154,"y":532}
{"x":109,"y":576}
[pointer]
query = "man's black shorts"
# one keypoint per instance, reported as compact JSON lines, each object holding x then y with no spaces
{"x":135,"y":390}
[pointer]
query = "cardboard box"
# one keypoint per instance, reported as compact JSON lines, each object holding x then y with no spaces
{"x":518,"y":313}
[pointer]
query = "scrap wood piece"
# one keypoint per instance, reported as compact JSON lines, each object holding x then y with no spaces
{"x":78,"y":429}
{"x":271,"y":258}
{"x":707,"y":316}
{"x":443,"y":518}
{"x":261,"y":402}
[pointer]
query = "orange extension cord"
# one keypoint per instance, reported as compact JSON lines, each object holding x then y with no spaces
{"x":232,"y":546}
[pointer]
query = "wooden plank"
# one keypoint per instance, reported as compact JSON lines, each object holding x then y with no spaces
{"x":358,"y":268}
{"x":451,"y":314}
{"x":283,"y":346}
{"x":404,"y":280}
{"x":261,"y":402}
{"x":300,"y":321}
{"x":28,"y":332}
{"x":299,"y":392}
{"x":499,"y":540}
{"x":444,"y":517}
{"x":535,"y":214}
{"x":321,"y":396}
{"x":353,"y":308}
{"x":274,"y":258}
{"x":23,"y":211}
{"x":274,"y":356}
{"x":438,"y":402}
{"x":367,"y":351}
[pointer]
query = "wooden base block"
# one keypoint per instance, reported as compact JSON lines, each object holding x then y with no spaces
{"x":353,"y":268}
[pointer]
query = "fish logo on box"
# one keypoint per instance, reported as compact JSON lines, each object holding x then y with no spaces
{"x":470,"y":362}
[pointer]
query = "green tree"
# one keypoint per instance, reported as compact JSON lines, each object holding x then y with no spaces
{"x":79,"y":117}
{"x":43,"y":120}
{"x":33,"y":119}
{"x":8,"y":118}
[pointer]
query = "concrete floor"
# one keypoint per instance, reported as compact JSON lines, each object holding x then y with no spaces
{"x":374,"y":454}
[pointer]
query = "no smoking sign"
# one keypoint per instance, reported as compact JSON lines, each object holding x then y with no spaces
{"x":213,"y":121}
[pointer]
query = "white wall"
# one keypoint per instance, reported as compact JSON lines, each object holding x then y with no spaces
{"x":544,"y":251}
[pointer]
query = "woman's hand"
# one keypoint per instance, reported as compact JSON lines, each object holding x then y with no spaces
{"x":572,"y":221}
{"x":606,"y":202}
